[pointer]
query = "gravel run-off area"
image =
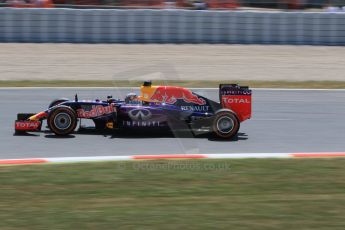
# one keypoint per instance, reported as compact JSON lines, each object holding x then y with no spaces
{"x":170,"y":62}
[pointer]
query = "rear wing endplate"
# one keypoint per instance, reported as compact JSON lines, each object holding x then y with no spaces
{"x":236,"y":98}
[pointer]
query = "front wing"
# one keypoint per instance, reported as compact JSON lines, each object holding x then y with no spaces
{"x":22,"y":126}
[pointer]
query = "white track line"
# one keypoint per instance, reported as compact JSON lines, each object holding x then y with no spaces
{"x":170,"y":157}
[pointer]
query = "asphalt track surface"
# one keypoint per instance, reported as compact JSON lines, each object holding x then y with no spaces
{"x":283,"y":121}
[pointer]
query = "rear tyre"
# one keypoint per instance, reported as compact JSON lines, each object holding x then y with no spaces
{"x":225,"y":124}
{"x":57,"y":102}
{"x":62,"y":120}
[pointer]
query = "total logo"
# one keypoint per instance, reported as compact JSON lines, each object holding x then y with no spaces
{"x":27,"y":125}
{"x":236,"y":101}
{"x":140,"y":114}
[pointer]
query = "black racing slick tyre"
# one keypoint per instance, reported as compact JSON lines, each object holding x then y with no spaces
{"x":57,"y":102}
{"x":225,"y":124}
{"x":62,"y":120}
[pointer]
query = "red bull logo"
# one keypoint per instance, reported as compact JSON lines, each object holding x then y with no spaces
{"x":96,"y":111}
{"x":171,"y":94}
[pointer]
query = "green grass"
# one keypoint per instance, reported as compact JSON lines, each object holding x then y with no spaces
{"x":188,"y":194}
{"x":256,"y":84}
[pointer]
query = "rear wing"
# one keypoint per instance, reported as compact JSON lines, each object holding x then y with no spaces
{"x":237,"y":98}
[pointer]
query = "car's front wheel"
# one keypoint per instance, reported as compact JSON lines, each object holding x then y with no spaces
{"x":225,"y":124}
{"x":62,"y":120}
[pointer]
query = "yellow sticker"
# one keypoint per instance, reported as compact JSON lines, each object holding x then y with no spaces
{"x":110,"y":125}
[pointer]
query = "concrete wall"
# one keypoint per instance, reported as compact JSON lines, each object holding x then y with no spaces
{"x":170,"y":26}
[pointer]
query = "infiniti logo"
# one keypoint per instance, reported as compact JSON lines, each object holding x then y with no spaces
{"x":140,"y":114}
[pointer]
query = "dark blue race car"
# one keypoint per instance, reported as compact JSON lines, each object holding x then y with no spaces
{"x":157,"y":108}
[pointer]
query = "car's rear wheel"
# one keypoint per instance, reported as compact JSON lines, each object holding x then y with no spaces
{"x":57,"y":102}
{"x":225,"y":124}
{"x":62,"y":120}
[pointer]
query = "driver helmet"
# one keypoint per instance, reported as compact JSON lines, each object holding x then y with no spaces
{"x":131,"y":98}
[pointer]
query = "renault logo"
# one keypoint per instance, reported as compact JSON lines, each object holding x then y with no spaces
{"x":140,"y":114}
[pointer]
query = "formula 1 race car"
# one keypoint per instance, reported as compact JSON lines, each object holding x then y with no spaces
{"x":157,"y":107}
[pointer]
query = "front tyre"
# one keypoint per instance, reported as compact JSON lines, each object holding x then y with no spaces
{"x":62,"y":120}
{"x":225,"y":124}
